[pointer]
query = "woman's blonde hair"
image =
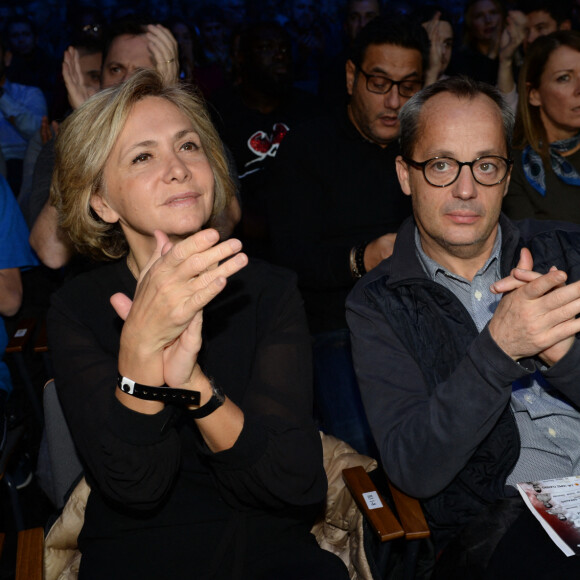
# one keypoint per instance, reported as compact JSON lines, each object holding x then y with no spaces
{"x":85,"y":141}
{"x":529,"y":129}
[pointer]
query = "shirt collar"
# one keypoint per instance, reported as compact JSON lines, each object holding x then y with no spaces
{"x":432,"y":268}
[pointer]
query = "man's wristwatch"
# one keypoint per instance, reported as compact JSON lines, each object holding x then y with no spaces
{"x":171,"y":396}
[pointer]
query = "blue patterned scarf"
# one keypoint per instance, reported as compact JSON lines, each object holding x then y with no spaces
{"x":534,"y":168}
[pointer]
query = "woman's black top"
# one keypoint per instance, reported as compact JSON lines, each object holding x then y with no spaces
{"x":561,"y":201}
{"x":162,"y":504}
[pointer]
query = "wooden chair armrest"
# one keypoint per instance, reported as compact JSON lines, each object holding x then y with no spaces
{"x":21,"y":336}
{"x":373,"y":506}
{"x":29,"y":554}
{"x":410,"y":514}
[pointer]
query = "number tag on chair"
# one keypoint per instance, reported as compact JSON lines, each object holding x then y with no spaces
{"x":372,"y":500}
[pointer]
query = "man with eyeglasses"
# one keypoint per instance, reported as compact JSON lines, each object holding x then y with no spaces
{"x":335,"y":204}
{"x":464,"y":342}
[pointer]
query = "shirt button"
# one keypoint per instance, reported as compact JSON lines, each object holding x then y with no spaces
{"x":478,"y":295}
{"x":552,"y":432}
{"x":529,"y":398}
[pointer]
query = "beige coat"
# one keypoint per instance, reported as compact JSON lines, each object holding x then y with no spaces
{"x":340,"y":531}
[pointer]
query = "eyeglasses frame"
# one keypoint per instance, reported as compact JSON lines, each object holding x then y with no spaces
{"x":393,"y":83}
{"x":422,"y":164}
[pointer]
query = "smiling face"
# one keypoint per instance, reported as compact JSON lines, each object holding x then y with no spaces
{"x":457,"y":222}
{"x":127,"y":54}
{"x":156,"y":177}
{"x":375,"y":116}
{"x":558,"y":95}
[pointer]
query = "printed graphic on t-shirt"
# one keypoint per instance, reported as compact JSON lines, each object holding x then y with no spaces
{"x":264,"y":145}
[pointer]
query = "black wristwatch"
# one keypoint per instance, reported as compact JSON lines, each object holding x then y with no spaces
{"x":163,"y":394}
{"x":218,"y":398}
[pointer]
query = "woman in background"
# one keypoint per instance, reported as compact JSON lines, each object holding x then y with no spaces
{"x":545,"y":181}
{"x":478,"y":58}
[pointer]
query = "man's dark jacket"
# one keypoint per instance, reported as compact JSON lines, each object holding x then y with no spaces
{"x":436,"y":391}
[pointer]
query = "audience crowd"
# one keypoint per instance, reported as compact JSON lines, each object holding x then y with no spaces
{"x":308,"y":99}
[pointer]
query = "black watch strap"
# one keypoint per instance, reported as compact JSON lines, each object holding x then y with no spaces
{"x":164,"y":394}
{"x":217,"y":400}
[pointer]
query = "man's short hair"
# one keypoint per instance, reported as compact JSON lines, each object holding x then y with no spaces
{"x":396,"y":30}
{"x":463,"y":88}
{"x":132,"y":26}
{"x":559,"y":10}
{"x":86,"y":44}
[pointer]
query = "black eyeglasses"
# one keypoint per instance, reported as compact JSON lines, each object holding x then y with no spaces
{"x":381,"y":85}
{"x":443,"y":171}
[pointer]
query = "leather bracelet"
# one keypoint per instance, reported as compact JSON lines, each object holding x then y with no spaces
{"x":352,"y":262}
{"x":357,"y":255}
{"x":163,"y":394}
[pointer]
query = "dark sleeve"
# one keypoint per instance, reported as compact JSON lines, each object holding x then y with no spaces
{"x":297,"y":190}
{"x":133,"y":458}
{"x":565,"y":374}
{"x":425,"y":438}
{"x":41,"y":177}
{"x":277,"y":460}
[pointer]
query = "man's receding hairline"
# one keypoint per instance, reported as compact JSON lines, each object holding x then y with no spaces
{"x":469,"y":97}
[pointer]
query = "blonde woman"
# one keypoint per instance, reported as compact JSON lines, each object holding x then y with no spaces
{"x":182,"y":368}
